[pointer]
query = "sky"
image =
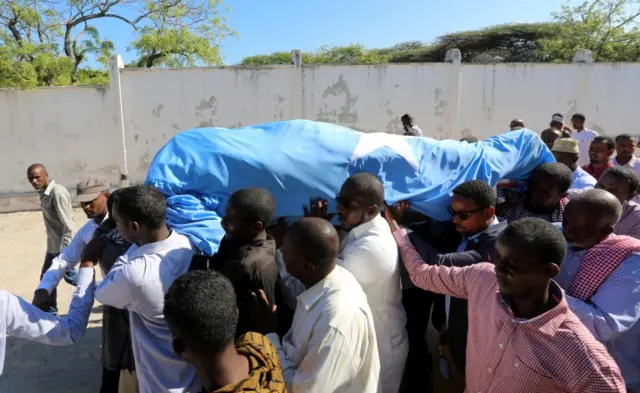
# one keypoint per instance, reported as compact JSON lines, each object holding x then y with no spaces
{"x":266,"y":26}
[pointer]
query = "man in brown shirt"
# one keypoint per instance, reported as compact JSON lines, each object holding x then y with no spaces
{"x":246,"y":255}
{"x":57,"y":212}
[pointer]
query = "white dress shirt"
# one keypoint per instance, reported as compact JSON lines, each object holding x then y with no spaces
{"x":138,"y":282}
{"x":584,"y":139}
{"x":331,"y":346}
{"x":370,"y":253}
{"x":634,"y":164}
{"x":21,"y":319}
{"x":69,"y":257}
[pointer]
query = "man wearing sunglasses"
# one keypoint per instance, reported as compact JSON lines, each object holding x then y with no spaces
{"x":473,"y":207}
{"x":370,"y":253}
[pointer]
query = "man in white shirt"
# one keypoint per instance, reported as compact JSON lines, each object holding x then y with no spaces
{"x":369,"y":253}
{"x":566,"y":151}
{"x":138,"y":282}
{"x":331,"y":346}
{"x":584,"y":137}
{"x":20,"y":319}
{"x":625,"y":149}
{"x":409,"y":128}
{"x":92,"y":194}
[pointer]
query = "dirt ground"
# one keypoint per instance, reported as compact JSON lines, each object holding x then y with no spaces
{"x":32,"y":367}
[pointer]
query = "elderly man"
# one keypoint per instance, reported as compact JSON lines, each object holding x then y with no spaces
{"x":566,"y":151}
{"x":601,"y":277}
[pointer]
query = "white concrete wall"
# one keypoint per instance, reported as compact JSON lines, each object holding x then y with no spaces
{"x":76,"y":131}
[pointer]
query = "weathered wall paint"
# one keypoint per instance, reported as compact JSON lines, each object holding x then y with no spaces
{"x":75,"y":132}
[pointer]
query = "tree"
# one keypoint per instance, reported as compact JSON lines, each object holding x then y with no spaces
{"x":350,"y":54}
{"x":609,"y":28}
{"x":45,"y":42}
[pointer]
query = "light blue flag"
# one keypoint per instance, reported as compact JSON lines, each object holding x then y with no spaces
{"x":296,"y":160}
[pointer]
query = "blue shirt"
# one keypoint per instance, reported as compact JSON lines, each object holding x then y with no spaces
{"x":612,"y":315}
{"x":138,"y":282}
{"x":581,"y":181}
{"x":19,"y":318}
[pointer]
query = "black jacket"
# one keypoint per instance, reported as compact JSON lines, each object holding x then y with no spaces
{"x":479,"y":249}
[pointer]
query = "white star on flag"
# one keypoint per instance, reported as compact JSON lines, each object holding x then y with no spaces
{"x":370,"y":142}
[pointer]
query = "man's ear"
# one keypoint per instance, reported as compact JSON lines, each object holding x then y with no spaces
{"x":373,"y":210}
{"x":135,"y":226}
{"x":257,"y":227}
{"x":490,"y":212}
{"x":552,"y":270}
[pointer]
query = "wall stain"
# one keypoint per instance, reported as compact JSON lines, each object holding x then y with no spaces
{"x":210,"y":105}
{"x":347,"y":116}
{"x":157,"y":111}
{"x":136,"y":137}
{"x":441,"y":105}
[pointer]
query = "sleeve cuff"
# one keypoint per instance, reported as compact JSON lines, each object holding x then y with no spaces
{"x":275,"y":340}
{"x":85,"y":276}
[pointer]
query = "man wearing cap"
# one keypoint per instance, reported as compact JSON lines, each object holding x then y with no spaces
{"x":567,"y":152}
{"x":92,"y":194}
{"x":584,"y":137}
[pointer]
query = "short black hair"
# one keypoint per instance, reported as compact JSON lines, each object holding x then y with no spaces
{"x":611,"y":144}
{"x":469,"y":139}
{"x":625,"y":136}
{"x":579,"y":116}
{"x":406,"y":118}
{"x":111,"y":201}
{"x":516,"y":123}
{"x":596,"y":202}
{"x":317,"y":238}
{"x":537,"y":238}
{"x":368,"y":186}
{"x":628,"y":174}
{"x":481,"y":193}
{"x":254,"y":204}
{"x":143,"y":204}
{"x":200,"y":308}
{"x":549,"y":130}
{"x":558,"y":173}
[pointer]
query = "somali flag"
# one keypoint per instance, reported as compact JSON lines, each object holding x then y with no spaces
{"x":296,"y":160}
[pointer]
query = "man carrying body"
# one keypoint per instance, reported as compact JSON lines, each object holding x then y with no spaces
{"x":369,"y":252}
{"x":57,"y":212}
{"x":246,"y":255}
{"x":623,"y":183}
{"x":601,"y":277}
{"x":566,"y":152}
{"x":202,"y":313}
{"x":92,"y":194}
{"x":584,"y":137}
{"x":138,"y":282}
{"x":600,"y":152}
{"x":332,"y":344}
{"x":546,"y":194}
{"x":522,"y":335}
{"x":516,"y":124}
{"x":409,"y":128}
{"x":625,"y":149}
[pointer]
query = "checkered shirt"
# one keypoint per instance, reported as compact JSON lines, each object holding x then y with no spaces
{"x":518,"y":212}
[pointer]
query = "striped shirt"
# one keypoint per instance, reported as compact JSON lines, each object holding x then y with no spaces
{"x":552,"y":352}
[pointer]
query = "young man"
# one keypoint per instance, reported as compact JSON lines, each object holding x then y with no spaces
{"x":546,"y":194}
{"x":246,"y":255}
{"x":57,"y":212}
{"x":601,"y":277}
{"x":549,"y":136}
{"x":331,"y":346}
{"x":600,"y":152}
{"x":522,"y":336}
{"x":625,"y":149}
{"x":473,"y":207}
{"x":623,"y":183}
{"x":566,"y":152}
{"x":20,"y":319}
{"x":369,"y":252}
{"x":409,"y":128}
{"x":138,"y":282}
{"x":583,"y":136}
{"x":201,"y":311}
{"x":92,"y":194}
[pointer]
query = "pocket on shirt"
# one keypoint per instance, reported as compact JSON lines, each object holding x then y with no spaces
{"x":534,"y":376}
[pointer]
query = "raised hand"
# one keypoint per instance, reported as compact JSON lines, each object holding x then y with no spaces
{"x":318,"y":208}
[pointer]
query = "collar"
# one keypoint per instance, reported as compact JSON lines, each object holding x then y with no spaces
{"x":493,"y":223}
{"x":548,"y":322}
{"x":361,"y":229}
{"x":153,"y":248}
{"x":631,"y":163}
{"x":311,"y":296}
{"x":47,"y":190}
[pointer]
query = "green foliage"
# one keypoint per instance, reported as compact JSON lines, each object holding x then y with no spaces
{"x":350,"y":54}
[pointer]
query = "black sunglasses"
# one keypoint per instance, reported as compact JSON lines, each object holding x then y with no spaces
{"x":463,"y":216}
{"x":348,"y":203}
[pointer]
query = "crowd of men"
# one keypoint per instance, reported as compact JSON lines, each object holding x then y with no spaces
{"x":537,"y":293}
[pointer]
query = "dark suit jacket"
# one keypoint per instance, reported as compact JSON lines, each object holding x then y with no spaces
{"x":478,"y":249}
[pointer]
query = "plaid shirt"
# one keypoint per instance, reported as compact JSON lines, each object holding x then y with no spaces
{"x":518,"y":212}
{"x":553,"y":352}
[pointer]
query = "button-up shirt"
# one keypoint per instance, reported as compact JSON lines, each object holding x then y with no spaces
{"x":552,"y":352}
{"x":629,"y":222}
{"x":584,"y":138}
{"x":138,"y":282}
{"x":69,"y":257}
{"x":612,"y":314}
{"x":597,"y":172}
{"x":331,"y":346}
{"x":581,"y":181}
{"x":21,"y":319}
{"x":633,"y":163}
{"x":59,"y":222}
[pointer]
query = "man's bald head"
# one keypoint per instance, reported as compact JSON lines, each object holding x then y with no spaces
{"x":315,"y":239}
{"x":601,"y":206}
{"x":34,"y":167}
{"x":38,"y":177}
{"x":366,"y":187}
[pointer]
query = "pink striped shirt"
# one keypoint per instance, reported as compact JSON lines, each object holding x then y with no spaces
{"x":553,"y":352}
